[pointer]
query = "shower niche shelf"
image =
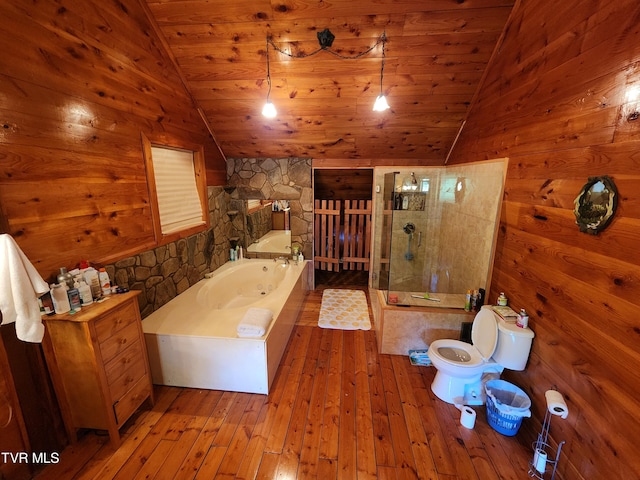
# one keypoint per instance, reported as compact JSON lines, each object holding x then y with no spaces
{"x":410,"y":201}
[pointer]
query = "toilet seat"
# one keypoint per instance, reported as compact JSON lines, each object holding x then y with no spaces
{"x":484,"y":335}
{"x":447,"y":351}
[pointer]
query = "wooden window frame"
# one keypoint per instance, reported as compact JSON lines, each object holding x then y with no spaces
{"x":201,"y":185}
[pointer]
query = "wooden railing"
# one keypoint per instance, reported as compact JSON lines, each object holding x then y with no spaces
{"x":357,"y":234}
{"x":342,"y":234}
{"x":327,"y":235}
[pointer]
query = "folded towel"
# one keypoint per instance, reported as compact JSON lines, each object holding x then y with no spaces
{"x":254,"y":323}
{"x":20,"y":287}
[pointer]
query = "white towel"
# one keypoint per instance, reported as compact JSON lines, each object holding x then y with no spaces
{"x":254,"y":323}
{"x":20,"y":287}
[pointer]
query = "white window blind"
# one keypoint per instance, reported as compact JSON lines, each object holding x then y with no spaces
{"x":176,"y":189}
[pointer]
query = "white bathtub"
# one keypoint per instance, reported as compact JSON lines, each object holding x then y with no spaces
{"x":276,"y":241}
{"x":192,"y":341}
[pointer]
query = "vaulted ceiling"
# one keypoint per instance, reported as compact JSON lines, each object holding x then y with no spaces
{"x":435,"y":56}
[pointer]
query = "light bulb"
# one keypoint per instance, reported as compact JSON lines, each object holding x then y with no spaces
{"x":269,"y":110}
{"x":380,"y":104}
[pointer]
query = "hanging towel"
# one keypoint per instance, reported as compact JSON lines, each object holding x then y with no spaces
{"x":20,"y":287}
{"x":254,"y":323}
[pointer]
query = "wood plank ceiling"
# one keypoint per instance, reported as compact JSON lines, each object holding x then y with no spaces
{"x":436,"y":53}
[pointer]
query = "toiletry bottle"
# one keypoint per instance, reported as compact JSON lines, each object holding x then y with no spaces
{"x":241,"y":254}
{"x":502,"y":300}
{"x":65,"y":277}
{"x":60,"y":299}
{"x":105,"y":282}
{"x":47,"y":303}
{"x":74,"y":299}
{"x":86,"y":298}
{"x":467,"y":301}
{"x":92,"y":279}
{"x":523,"y":319}
{"x":300,"y":257}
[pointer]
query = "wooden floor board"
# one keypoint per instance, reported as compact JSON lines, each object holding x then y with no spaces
{"x":331,"y":416}
{"x":337,"y":410}
{"x":365,"y":458}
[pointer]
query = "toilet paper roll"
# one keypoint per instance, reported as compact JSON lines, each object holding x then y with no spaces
{"x":556,"y":404}
{"x":540,"y":460}
{"x":468,"y":417}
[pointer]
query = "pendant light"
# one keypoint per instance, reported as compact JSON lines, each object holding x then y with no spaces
{"x":380,"y":105}
{"x":269,"y":109}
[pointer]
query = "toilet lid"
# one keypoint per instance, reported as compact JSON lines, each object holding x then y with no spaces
{"x":484,"y":333}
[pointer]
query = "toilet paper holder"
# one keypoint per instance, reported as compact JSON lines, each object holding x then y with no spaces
{"x":543,"y":459}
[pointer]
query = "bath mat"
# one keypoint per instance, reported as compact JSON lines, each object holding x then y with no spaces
{"x":344,"y":310}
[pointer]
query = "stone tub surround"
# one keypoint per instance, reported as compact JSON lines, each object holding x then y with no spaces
{"x":166,"y":271}
{"x":400,"y":329}
{"x":276,"y":179}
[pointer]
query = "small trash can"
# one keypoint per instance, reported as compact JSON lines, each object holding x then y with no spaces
{"x":507,"y":405}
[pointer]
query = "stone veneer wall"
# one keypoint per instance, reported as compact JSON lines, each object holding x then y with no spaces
{"x":166,"y":271}
{"x":259,"y":223}
{"x":278,"y":179}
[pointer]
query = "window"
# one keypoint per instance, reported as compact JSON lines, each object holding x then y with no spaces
{"x":177,"y":189}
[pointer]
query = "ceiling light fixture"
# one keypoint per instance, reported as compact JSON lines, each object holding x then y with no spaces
{"x":381,"y":104}
{"x":269,"y":109}
{"x":325,"y":39}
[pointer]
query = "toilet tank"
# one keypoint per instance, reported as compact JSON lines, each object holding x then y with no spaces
{"x":514,"y":345}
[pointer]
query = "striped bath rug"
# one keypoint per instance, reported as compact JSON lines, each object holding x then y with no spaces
{"x":344,"y":310}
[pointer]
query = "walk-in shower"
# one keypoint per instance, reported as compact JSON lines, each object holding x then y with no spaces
{"x":436,"y":229}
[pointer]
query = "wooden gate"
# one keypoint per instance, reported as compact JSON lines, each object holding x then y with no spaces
{"x":342,"y":234}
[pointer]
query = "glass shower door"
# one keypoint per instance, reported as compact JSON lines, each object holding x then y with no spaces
{"x":388,"y":194}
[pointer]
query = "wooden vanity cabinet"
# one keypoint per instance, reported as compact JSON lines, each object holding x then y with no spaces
{"x":98,"y":362}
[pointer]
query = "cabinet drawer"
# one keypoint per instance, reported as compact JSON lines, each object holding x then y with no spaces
{"x":119,"y":341}
{"x":132,"y":400}
{"x":125,"y":370}
{"x":116,"y":320}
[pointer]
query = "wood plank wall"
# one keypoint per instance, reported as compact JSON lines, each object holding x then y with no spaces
{"x":342,"y":183}
{"x":555,"y":101}
{"x":79,"y":82}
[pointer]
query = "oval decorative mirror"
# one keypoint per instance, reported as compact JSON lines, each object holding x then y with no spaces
{"x":596,"y":204}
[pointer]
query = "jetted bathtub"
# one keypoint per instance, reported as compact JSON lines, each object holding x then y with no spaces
{"x":192,"y":341}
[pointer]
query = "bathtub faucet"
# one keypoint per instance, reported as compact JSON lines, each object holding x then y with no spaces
{"x":286,"y":260}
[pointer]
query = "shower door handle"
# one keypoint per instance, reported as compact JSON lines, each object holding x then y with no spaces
{"x":419,"y":238}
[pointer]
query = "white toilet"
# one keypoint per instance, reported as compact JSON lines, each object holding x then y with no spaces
{"x":496,"y":345}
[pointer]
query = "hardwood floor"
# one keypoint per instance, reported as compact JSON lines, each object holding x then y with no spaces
{"x":337,"y":410}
